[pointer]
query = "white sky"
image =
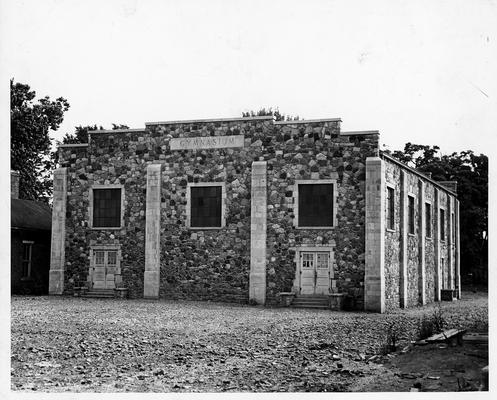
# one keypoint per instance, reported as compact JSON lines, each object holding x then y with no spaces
{"x":419,"y":71}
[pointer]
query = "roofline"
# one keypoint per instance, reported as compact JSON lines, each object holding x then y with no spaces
{"x":24,"y":228}
{"x":349,"y":133}
{"x":117,"y":130}
{"x":63,"y":145}
{"x":193,"y":121}
{"x":307,"y":121}
{"x":420,"y":174}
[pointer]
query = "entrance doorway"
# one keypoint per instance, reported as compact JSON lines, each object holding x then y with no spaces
{"x":103,"y":269}
{"x":315,"y":272}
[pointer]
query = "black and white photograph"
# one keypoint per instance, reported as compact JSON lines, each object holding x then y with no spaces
{"x":246,"y":197}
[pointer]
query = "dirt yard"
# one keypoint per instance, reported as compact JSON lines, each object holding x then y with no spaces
{"x":91,"y":345}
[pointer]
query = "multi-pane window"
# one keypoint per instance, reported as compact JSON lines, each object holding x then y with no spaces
{"x":390,"y":208}
{"x":410,"y":214}
{"x":315,"y":206}
{"x":453,"y":228}
{"x":307,"y":260}
{"x":206,"y":206}
{"x":322,"y":260}
{"x":100,"y":257}
{"x":27,"y":252}
{"x":428,"y":219}
{"x":442,"y":224}
{"x":106,"y":208}
{"x":111,"y":257}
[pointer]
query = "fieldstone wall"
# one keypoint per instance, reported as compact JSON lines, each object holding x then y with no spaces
{"x":430,"y":248}
{"x":393,"y":241}
{"x":214,"y":264}
{"x":315,"y":151}
{"x":444,"y":248}
{"x":413,"y":245}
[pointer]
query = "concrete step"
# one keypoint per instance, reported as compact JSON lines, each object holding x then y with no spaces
{"x":311,"y":303}
{"x":318,"y":302}
{"x":99,"y":293}
{"x":316,"y":306}
{"x":311,"y":299}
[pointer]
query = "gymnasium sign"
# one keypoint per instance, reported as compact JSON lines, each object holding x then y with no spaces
{"x":206,"y":142}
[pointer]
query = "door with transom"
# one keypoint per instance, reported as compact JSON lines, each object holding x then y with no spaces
{"x":104,"y":269}
{"x":315,"y":272}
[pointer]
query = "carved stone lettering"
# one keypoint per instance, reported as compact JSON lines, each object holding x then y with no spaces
{"x":208,"y":142}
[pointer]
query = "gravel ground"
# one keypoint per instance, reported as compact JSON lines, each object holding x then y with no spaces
{"x":87,"y":345}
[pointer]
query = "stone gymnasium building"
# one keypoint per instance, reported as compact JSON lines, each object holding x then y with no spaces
{"x":244,"y":209}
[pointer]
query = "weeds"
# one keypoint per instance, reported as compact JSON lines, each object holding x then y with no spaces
{"x":432,"y":324}
{"x":392,"y":338}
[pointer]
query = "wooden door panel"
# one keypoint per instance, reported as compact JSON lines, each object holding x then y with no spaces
{"x":109,"y":281}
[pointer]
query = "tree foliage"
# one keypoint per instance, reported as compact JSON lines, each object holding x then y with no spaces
{"x":30,"y":123}
{"x":471,"y":173}
{"x":80,"y":134}
{"x":268,"y":112}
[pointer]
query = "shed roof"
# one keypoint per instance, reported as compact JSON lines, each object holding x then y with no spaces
{"x":29,"y":214}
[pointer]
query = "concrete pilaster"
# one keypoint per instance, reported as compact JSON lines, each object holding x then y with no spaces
{"x":151,"y":279}
{"x":403,"y":241}
{"x":437,"y":246}
{"x":374,"y":277}
{"x":422,"y":244}
{"x":457,"y":252}
{"x":57,"y":251}
{"x":258,"y":227}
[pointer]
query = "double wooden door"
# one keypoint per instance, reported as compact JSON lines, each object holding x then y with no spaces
{"x":315,"y":272}
{"x":104,"y":268}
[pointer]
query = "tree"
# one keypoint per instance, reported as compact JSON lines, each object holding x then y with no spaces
{"x":80,"y":134}
{"x":30,"y":123}
{"x":269,"y":111}
{"x":471,"y":173}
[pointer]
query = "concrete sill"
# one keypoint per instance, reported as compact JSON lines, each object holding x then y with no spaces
{"x":106,"y":228}
{"x":390,"y":230}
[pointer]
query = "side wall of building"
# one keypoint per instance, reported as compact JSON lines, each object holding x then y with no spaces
{"x":406,"y":273}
